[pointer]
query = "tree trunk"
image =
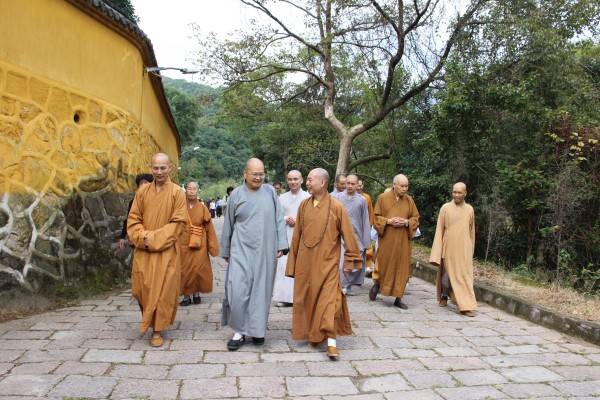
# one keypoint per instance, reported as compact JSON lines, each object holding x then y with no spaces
{"x":344,"y":155}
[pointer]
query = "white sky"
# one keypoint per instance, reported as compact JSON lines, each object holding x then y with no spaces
{"x":167,"y":24}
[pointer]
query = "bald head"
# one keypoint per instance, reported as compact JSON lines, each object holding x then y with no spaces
{"x":459,"y":192}
{"x":254,"y":173}
{"x":294,"y":181}
{"x":340,"y":182}
{"x":191,"y":191}
{"x":351,"y":184}
{"x":316,"y":183}
{"x":254,"y":163}
{"x":161,"y":168}
{"x":400,"y":185}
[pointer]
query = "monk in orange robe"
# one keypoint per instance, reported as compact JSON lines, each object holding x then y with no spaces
{"x":452,"y":251}
{"x":396,"y":221}
{"x":196,"y":269}
{"x":320,"y":309}
{"x":156,"y":220}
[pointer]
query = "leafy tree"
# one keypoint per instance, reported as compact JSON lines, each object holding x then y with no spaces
{"x":345,"y":50}
{"x":126,"y":8}
{"x":186,"y":112}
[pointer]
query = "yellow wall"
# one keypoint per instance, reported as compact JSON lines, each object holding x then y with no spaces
{"x":55,"y":43}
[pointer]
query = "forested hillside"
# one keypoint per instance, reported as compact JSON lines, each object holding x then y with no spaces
{"x":514,"y":114}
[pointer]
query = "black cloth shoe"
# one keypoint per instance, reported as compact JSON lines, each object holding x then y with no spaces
{"x":373,"y":292}
{"x":197,"y":299}
{"x":398,"y":303}
{"x":258,"y":340}
{"x":233,"y":345}
{"x":186,"y":302}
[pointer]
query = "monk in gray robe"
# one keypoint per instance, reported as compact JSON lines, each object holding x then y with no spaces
{"x":358,"y":211}
{"x":253,"y":238}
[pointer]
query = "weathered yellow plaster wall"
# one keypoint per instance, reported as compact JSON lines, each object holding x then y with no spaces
{"x":53,"y":138}
{"x":79,"y":119}
{"x":53,"y":39}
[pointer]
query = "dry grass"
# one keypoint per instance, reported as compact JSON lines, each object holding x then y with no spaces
{"x":554,"y":297}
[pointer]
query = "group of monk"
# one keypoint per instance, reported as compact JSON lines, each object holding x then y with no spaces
{"x":304,"y":249}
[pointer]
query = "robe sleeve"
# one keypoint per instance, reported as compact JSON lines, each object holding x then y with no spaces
{"x":229,"y":220}
{"x":135,"y":227}
{"x":352,"y":257}
{"x":413,"y":219}
{"x":379,"y":220}
{"x":282,"y":241}
{"x":290,"y":269}
{"x":437,"y":247}
{"x":472,"y":230}
{"x":211,"y":238}
{"x":366,"y":227}
{"x":165,"y":237}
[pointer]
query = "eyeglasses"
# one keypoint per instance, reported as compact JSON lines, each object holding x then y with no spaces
{"x":257,"y":174}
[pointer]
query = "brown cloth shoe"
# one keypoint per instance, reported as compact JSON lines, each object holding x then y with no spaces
{"x":156,"y":341}
{"x":398,"y":303}
{"x":185,"y":302}
{"x":443,"y":302}
{"x":468,"y":313}
{"x":333,"y":353}
{"x":373,"y":292}
{"x":197,"y":299}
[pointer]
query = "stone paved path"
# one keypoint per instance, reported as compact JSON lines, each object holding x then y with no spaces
{"x":426,"y":352}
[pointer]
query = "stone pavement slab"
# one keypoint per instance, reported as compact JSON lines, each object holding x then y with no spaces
{"x":426,"y":352}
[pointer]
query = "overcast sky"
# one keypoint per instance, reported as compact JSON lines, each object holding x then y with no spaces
{"x":167,"y":24}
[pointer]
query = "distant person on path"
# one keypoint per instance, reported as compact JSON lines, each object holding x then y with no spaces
{"x":213,"y":208}
{"x":340,"y":184}
{"x":140,"y":180}
{"x":226,"y":198}
{"x":253,"y":238}
{"x":396,"y":222}
{"x":452,"y":251}
{"x":219,"y":204}
{"x":196,"y":269}
{"x":156,"y":220}
{"x":358,"y":212}
{"x":320,"y":310}
{"x":277,"y":187}
{"x":283,"y":291}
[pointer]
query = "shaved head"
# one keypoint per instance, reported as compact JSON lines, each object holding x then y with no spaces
{"x":254,"y":173}
{"x":459,"y":192}
{"x":317,"y":182}
{"x":400,"y":185}
{"x":161,"y":156}
{"x":294,"y":181}
{"x":322,"y":174}
{"x":161,"y":166}
{"x":351,"y":184}
{"x":400,"y":177}
{"x":254,"y":163}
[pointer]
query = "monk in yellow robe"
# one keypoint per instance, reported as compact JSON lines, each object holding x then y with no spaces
{"x":196,"y":269}
{"x":396,"y":221}
{"x":320,"y":310}
{"x":452,"y":251}
{"x":156,"y":220}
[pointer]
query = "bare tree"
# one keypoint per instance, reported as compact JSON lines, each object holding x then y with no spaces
{"x":385,"y":51}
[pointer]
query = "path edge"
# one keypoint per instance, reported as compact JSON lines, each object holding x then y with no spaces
{"x":505,"y":301}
